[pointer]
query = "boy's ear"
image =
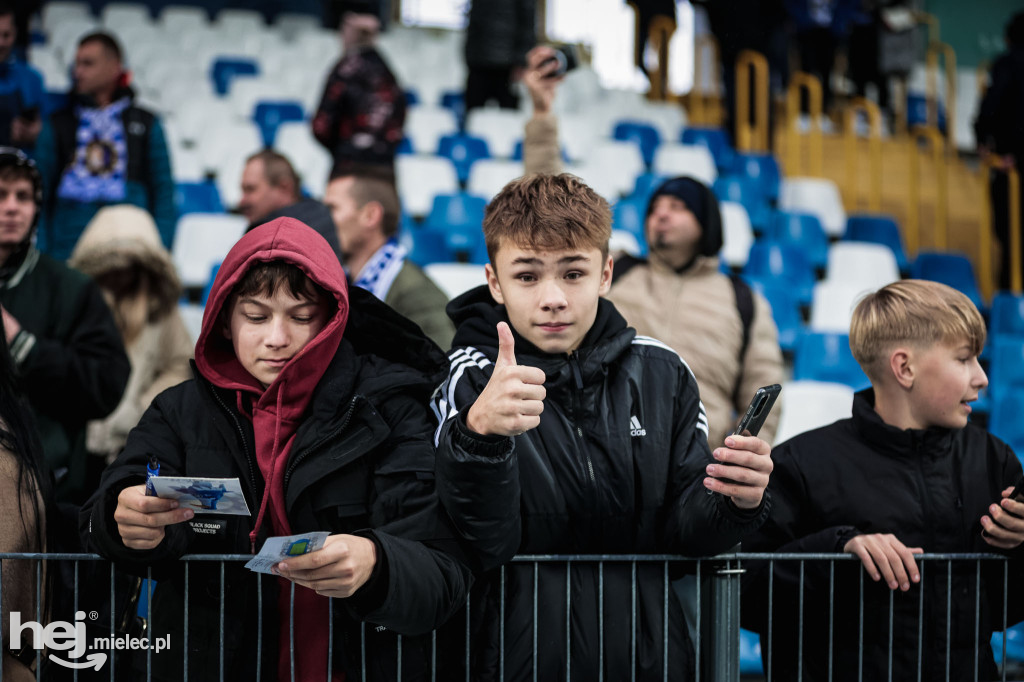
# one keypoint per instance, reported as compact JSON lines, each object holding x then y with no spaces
{"x":901,"y":365}
{"x":493,"y":285}
{"x":606,"y":275}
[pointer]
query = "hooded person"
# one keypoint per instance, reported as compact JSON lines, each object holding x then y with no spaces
{"x":315,"y":398}
{"x":722,"y":328}
{"x":121,"y":250}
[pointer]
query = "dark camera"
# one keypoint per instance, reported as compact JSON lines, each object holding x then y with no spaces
{"x":564,"y":57}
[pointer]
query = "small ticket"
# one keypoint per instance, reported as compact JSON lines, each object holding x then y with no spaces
{"x":203,"y":495}
{"x":280,"y":548}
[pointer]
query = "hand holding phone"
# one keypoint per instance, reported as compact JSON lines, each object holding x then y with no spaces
{"x":742,"y":468}
{"x":1008,"y":526}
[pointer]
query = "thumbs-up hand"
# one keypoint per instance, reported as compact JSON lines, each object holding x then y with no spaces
{"x":513,"y":399}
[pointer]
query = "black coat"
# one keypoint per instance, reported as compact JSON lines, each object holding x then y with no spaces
{"x":930,"y":489}
{"x":361,"y":463}
{"x":615,"y":467}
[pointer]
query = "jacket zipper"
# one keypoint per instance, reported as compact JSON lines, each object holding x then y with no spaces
{"x":577,"y":376}
{"x":245,"y":450}
{"x":312,"y":448}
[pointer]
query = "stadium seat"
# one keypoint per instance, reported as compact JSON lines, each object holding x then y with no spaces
{"x":420,"y":178}
{"x":826,"y":356}
{"x":1005,"y":423}
{"x":269,"y":115}
{"x":456,"y":278}
{"x":488,"y":176}
{"x":673,"y":159}
{"x":880,"y":229}
{"x":427,"y":245}
{"x":762,"y":169}
{"x":1006,"y":367}
{"x":863,"y":264}
{"x":717,"y":142}
{"x":192,"y":315}
{"x":743,"y":190}
{"x":785,"y":311}
{"x":412,"y":98}
{"x":782,"y":264}
{"x":182,"y":19}
{"x":806,"y":405}
{"x":953,"y":269}
{"x":626,"y":242}
{"x":463,"y":151}
{"x":312,"y":162}
{"x":832,"y":305}
{"x":236,"y":21}
{"x":294,"y":25}
{"x":645,"y":186}
{"x":750,"y":653}
{"x":425,"y":126}
{"x":804,"y":230}
{"x":455,"y":101}
{"x":457,"y":210}
{"x":1007,"y":316}
{"x":63,"y":11}
{"x":737,"y":234}
{"x":819,"y":196}
{"x":620,"y":162}
{"x":202,"y":240}
{"x":628,"y":214}
{"x":500,"y":127}
{"x":460,"y":240}
{"x":197,"y":197}
{"x":226,"y":69}
{"x":917,"y":111}
{"x":119,"y":16}
{"x":644,"y":135}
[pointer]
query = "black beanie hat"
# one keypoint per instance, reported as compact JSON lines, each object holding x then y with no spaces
{"x":702,"y":202}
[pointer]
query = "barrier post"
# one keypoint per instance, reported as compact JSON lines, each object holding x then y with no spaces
{"x":874,"y":115}
{"x":752,"y":138}
{"x":798,"y":83}
{"x":659,"y":37}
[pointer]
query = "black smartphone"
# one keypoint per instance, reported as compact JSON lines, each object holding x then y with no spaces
{"x":1017,"y":495}
{"x":757,"y":411}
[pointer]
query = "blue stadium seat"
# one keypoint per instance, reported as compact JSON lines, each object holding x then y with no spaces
{"x":1014,"y":643}
{"x":763,"y":169}
{"x":782,"y":264}
{"x":826,"y":356}
{"x":785,"y":312}
{"x":412,"y":97}
{"x":644,"y":135}
{"x":429,"y":245}
{"x":1007,"y":316}
{"x":1005,"y":423}
{"x":457,"y":210}
{"x":197,"y":197}
{"x":880,"y":229}
{"x":455,"y":101}
{"x":717,"y":142}
{"x":645,"y":186}
{"x":269,"y":115}
{"x":917,"y":111}
{"x":750,"y":653}
{"x":953,"y":269}
{"x":464,"y":151}
{"x":405,"y":147}
{"x":1006,"y":367}
{"x":208,"y":287}
{"x":743,"y":190}
{"x":804,"y":230}
{"x":629,"y":214}
{"x":226,"y":69}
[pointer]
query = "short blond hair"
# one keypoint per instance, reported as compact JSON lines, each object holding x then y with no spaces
{"x":915,"y":312}
{"x":548,"y":213}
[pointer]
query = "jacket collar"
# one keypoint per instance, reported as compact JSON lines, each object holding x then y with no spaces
{"x":888,"y":439}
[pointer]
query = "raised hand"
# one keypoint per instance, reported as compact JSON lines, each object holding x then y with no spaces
{"x":513,"y":399}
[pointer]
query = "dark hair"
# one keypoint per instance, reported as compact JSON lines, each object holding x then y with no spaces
{"x":267,"y":277}
{"x":7,"y":10}
{"x":1015,"y":30}
{"x":278,"y":170}
{"x":108,"y":41}
{"x":374,"y":183}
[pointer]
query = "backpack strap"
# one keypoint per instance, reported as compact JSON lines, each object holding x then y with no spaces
{"x":745,"y":308}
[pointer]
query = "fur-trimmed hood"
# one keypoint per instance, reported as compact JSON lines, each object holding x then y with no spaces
{"x":121,"y":236}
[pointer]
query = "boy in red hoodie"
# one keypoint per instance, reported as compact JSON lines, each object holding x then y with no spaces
{"x":319,"y":409}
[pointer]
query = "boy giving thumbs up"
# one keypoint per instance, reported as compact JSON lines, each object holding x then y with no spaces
{"x":563,"y":432}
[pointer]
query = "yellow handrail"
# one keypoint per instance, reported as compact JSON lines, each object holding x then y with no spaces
{"x":660,"y":35}
{"x":1015,"y":236}
{"x":751,"y":138}
{"x":798,"y":82}
{"x":874,"y":115}
{"x":700,"y":111}
{"x":934,"y":137}
{"x":932,"y":89}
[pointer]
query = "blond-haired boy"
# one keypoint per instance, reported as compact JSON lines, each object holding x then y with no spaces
{"x":906,"y":474}
{"x":563,"y":432}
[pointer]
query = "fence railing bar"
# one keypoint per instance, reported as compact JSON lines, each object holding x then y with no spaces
{"x":800,"y":628}
{"x":949,"y":613}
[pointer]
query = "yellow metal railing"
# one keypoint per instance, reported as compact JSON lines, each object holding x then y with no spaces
{"x":874,"y":116}
{"x":801,"y":82}
{"x":659,"y":37}
{"x":937,"y":143}
{"x":752,"y":137}
{"x":702,"y":110}
{"x":935,"y":50}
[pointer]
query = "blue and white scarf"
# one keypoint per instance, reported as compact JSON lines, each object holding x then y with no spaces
{"x":380,"y":271}
{"x":97,"y":172}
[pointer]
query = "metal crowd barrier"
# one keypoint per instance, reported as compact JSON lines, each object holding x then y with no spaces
{"x":715,"y":607}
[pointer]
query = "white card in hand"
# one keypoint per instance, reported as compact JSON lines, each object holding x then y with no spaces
{"x":203,"y":495}
{"x":280,"y":548}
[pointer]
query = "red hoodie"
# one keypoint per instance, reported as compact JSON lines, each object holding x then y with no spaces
{"x":277,"y":411}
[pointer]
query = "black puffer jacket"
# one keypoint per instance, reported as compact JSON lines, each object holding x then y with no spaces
{"x":361,"y":463}
{"x":500,"y":32}
{"x":615,"y":467}
{"x":930,"y":489}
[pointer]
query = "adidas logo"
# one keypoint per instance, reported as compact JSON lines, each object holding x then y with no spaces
{"x":635,"y":429}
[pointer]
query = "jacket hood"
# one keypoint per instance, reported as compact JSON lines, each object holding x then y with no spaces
{"x":291,"y":241}
{"x":476,"y":314}
{"x":123,"y":236}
